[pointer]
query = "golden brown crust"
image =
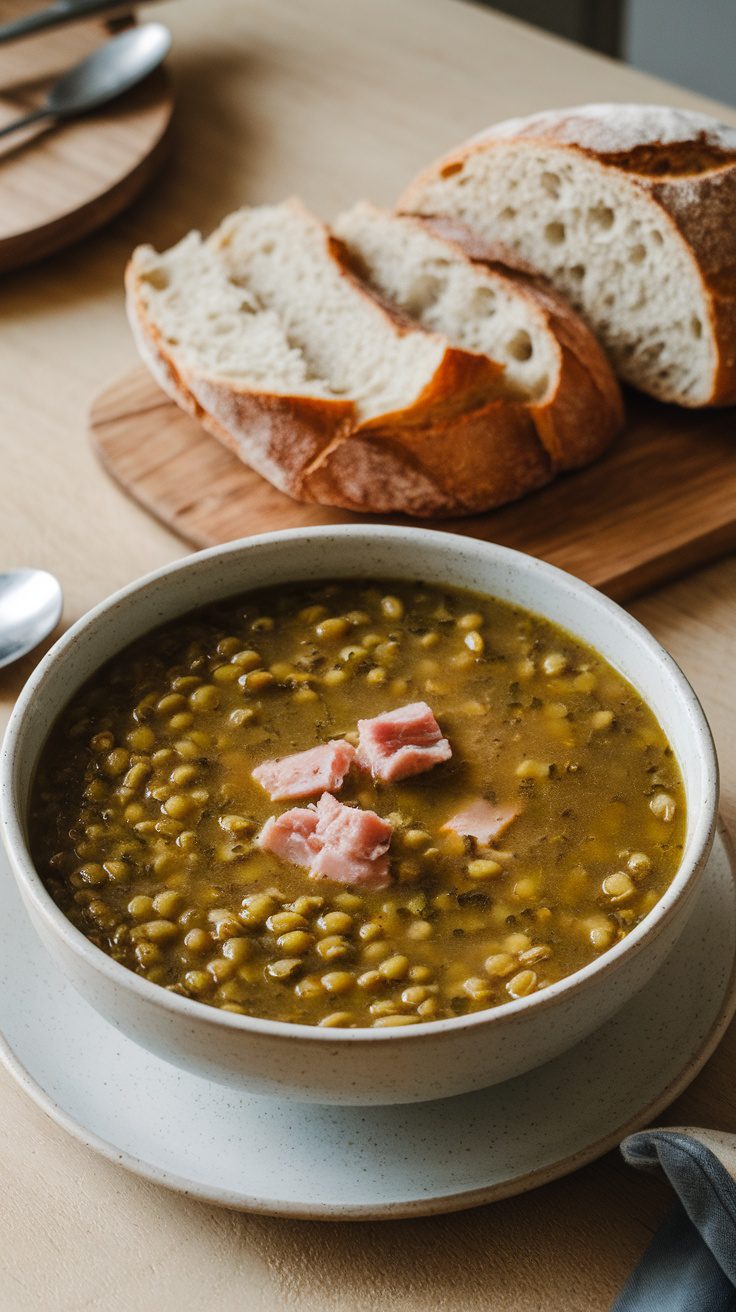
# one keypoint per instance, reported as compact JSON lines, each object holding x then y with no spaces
{"x":704,"y":213}
{"x":482,"y":459}
{"x":278,"y":436}
{"x":580,"y":420}
{"x":693,"y":183}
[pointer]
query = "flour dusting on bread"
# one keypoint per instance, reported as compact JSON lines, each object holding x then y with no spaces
{"x":610,"y":129}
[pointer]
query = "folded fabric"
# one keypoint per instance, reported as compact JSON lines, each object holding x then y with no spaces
{"x":690,"y":1265}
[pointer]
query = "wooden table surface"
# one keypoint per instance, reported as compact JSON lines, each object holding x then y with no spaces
{"x":331,"y":99}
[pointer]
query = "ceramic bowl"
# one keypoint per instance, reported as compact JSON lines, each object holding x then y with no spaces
{"x":430,"y":1060}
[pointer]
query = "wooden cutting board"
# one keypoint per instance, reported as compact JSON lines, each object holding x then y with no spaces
{"x":60,"y":182}
{"x":662,"y":500}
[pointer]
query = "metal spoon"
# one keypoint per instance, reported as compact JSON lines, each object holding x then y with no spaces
{"x":30,"y":607}
{"x":109,"y":71}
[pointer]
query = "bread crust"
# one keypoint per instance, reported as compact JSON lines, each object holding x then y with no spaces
{"x":691,"y":180}
{"x":481,"y":459}
{"x":706,"y":223}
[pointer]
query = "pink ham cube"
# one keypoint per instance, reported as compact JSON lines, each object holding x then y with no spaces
{"x":354,"y":845}
{"x":402,"y":742}
{"x":342,"y":843}
{"x":291,"y":836}
{"x":318,"y":770}
{"x":482,"y":820}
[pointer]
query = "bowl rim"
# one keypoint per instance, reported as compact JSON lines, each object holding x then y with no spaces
{"x":673,"y":899}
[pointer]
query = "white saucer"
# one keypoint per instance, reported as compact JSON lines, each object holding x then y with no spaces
{"x":377,"y":1162}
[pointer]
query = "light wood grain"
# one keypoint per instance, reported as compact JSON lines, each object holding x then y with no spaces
{"x":662,"y":500}
{"x":60,"y":182}
{"x":332,"y":100}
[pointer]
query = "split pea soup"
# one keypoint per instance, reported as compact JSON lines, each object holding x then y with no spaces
{"x":146,"y":818}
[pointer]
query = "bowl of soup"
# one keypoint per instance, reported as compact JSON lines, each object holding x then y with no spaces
{"x":360,"y":815}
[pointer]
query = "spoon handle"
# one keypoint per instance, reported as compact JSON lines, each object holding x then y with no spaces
{"x":62,"y":11}
{"x":25,"y":121}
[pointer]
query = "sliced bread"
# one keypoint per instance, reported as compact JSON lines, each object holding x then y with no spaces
{"x":265,"y":333}
{"x":628,"y":210}
{"x":440,"y":274}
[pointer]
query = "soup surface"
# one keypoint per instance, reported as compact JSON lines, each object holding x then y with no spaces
{"x":145,"y":815}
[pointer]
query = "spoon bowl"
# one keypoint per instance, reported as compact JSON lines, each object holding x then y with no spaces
{"x":30,"y":607}
{"x":110,"y":71}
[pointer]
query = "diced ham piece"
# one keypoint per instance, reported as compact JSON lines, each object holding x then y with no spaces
{"x":292,"y":836}
{"x":401,"y":742}
{"x":354,"y":845}
{"x":342,"y":843}
{"x":318,"y":770}
{"x":482,"y":820}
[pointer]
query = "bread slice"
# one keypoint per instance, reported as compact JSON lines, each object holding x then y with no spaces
{"x":267,"y":336}
{"x":435,"y":271}
{"x":629,"y":211}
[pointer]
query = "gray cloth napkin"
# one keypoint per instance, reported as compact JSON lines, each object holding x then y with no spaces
{"x":690,"y":1265}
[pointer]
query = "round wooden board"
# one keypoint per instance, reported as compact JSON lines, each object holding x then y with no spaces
{"x":661,"y":501}
{"x":58,"y":183}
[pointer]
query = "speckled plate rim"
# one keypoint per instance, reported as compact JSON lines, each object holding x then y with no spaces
{"x":429,"y":1206}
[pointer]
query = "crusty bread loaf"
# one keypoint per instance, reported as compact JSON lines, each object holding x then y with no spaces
{"x":439,"y":273}
{"x":629,"y":211}
{"x":268,"y":335}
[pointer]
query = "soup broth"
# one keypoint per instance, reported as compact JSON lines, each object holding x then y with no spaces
{"x":146,"y":818}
